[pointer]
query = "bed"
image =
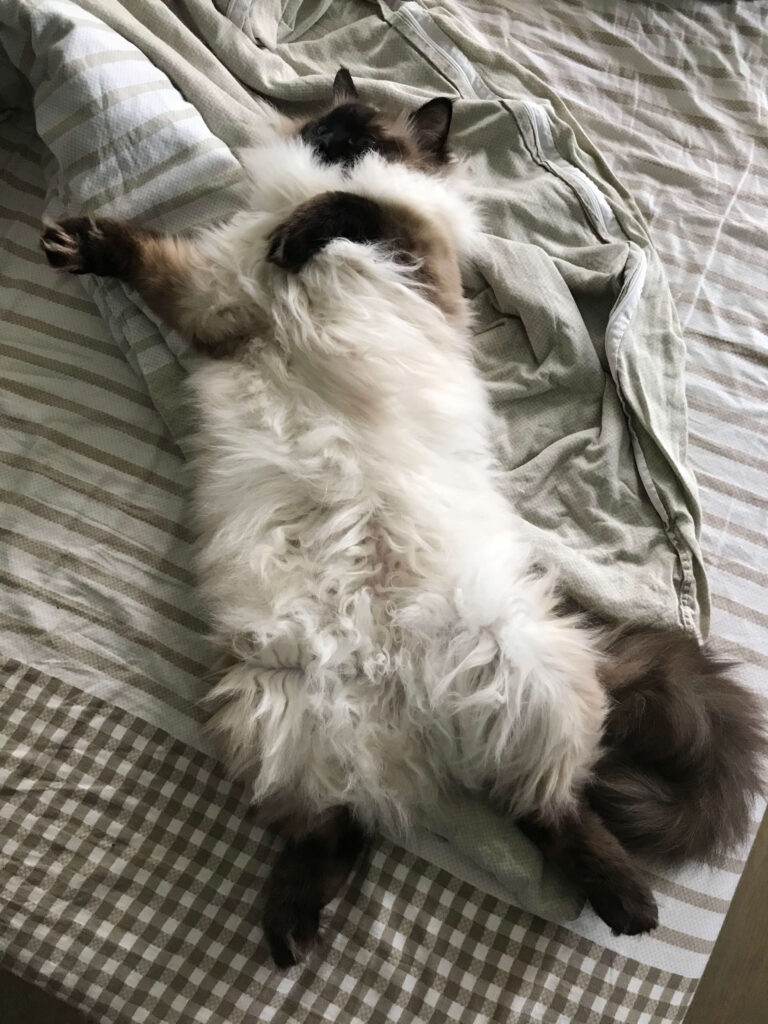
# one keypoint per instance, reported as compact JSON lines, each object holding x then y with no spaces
{"x":131,"y":866}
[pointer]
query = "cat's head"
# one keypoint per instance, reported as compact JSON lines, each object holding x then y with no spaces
{"x":350,"y":129}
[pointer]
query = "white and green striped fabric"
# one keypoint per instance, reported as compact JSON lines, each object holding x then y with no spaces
{"x":133,"y":869}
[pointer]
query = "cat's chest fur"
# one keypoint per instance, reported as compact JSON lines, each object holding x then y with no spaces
{"x":318,"y":514}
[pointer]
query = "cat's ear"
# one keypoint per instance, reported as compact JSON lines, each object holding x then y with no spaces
{"x":343,"y":87}
{"x":430,"y":125}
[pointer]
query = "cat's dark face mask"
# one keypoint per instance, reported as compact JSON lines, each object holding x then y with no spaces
{"x":350,"y":129}
{"x":348,"y":132}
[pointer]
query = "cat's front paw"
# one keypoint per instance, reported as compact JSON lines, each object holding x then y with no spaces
{"x":293,"y":243}
{"x":319,"y":221}
{"x":84,"y":245}
{"x":64,"y":244}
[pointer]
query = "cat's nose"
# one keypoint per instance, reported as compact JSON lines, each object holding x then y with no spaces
{"x":335,"y":141}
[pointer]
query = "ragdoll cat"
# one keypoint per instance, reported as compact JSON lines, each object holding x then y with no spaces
{"x":388,"y":632}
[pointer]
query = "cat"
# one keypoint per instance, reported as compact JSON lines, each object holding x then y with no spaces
{"x":389,"y":635}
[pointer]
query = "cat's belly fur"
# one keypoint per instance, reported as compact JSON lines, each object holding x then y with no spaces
{"x":370,"y":678}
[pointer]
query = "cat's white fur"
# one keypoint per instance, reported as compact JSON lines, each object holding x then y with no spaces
{"x":390,"y":631}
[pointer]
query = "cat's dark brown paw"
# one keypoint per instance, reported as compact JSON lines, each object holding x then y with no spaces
{"x":84,"y":245}
{"x":319,"y":221}
{"x":64,"y":243}
{"x":629,"y":909}
{"x":292,"y":928}
{"x":293,"y":244}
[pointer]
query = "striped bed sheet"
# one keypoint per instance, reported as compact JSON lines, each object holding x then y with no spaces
{"x":149,"y":914}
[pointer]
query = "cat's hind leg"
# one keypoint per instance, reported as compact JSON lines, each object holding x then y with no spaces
{"x":309,"y":872}
{"x":594,"y":859}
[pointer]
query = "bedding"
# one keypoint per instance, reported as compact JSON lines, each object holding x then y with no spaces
{"x":133,"y":868}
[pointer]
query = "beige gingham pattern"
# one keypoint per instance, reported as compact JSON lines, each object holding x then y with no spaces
{"x":133,"y":874}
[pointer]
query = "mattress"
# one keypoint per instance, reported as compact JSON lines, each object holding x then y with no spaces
{"x":133,"y":866}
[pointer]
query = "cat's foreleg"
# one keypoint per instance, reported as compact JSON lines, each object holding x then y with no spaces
{"x":167,"y":271}
{"x":317,"y":222}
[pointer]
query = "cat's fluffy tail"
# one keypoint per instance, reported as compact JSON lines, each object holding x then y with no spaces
{"x":684,"y":747}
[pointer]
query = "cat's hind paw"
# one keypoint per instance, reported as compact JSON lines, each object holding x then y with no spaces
{"x":292,"y":929}
{"x":628,"y":908}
